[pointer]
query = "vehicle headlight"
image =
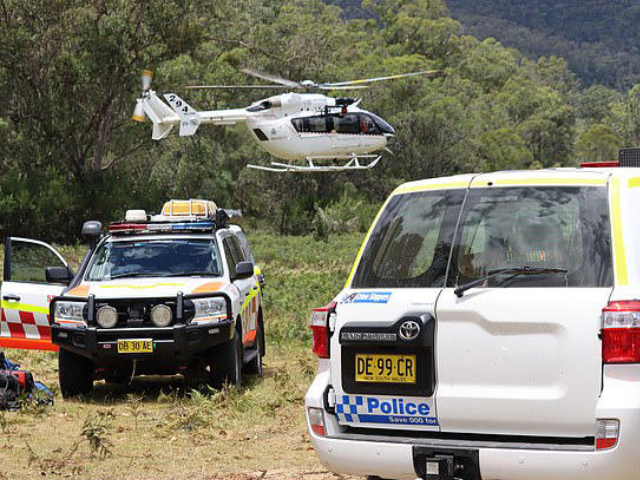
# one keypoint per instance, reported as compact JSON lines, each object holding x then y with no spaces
{"x":209,"y":309}
{"x":107,"y":317}
{"x":69,"y":312}
{"x":161,"y":315}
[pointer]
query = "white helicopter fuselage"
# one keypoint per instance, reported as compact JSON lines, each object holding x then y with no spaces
{"x":280,"y":130}
{"x":291,"y":126}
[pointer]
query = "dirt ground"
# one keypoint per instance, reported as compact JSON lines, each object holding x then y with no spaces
{"x":152,"y":428}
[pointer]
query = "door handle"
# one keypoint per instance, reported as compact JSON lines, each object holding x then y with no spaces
{"x":11,"y":298}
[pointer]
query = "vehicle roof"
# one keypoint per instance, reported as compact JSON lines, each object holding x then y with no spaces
{"x":136,"y":238}
{"x":556,"y":176}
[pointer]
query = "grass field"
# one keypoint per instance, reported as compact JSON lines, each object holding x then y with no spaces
{"x":154,"y":429}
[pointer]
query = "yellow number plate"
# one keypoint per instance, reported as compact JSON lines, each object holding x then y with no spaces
{"x":373,"y":368}
{"x":135,"y":346}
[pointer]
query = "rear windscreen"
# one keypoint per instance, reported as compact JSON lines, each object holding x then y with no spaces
{"x":508,"y":227}
{"x":540,"y":227}
{"x":411,"y":241}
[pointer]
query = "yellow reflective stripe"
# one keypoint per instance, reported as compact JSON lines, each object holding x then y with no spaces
{"x":634,"y":182}
{"x":539,"y":181}
{"x":245,"y":304}
{"x":429,"y":186}
{"x":24,"y":307}
{"x":622,"y":276}
{"x":144,"y":287}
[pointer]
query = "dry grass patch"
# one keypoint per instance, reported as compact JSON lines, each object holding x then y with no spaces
{"x":153,"y":428}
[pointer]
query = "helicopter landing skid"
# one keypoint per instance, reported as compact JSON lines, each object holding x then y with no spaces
{"x":352,"y":163}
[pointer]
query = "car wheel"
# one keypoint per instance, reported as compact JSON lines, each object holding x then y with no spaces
{"x":255,"y":365}
{"x":227,"y":363}
{"x":75,"y":374}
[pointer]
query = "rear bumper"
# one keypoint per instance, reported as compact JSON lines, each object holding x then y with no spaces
{"x":390,"y":459}
{"x":397,"y":457}
{"x":172,"y":345}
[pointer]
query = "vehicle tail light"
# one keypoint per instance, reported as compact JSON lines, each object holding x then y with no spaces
{"x":316,"y":420}
{"x":621,"y":332}
{"x":607,"y":432}
{"x":320,"y":328}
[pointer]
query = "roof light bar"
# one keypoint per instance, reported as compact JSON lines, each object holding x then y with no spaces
{"x":124,"y":228}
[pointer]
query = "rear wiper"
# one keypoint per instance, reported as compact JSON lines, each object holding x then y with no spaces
{"x":501,"y":271}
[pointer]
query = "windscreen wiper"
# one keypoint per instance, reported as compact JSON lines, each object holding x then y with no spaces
{"x":192,"y":274}
{"x":515,"y":271}
{"x":131,"y":274}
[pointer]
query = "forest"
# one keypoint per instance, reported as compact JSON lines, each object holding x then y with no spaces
{"x":70,"y":74}
{"x":598,"y":38}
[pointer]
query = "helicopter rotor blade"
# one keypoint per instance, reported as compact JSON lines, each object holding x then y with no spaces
{"x":271,"y":78}
{"x":379,"y":79}
{"x":346,"y":87}
{"x":250,"y":87}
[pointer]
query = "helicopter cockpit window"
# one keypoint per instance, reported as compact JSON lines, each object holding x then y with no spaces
{"x":382,"y":124}
{"x":368,"y":126}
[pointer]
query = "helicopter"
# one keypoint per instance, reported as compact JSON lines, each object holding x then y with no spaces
{"x":307,"y":131}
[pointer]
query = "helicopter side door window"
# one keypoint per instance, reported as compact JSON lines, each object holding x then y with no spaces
{"x":349,"y":123}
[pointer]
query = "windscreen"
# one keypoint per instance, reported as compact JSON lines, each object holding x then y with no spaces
{"x":539,"y":227}
{"x":411,"y":242}
{"x":155,"y":258}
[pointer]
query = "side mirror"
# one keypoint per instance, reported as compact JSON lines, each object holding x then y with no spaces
{"x":244,"y":270}
{"x":59,"y":275}
{"x":92,"y":230}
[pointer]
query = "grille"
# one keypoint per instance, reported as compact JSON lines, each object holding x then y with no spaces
{"x":137,"y":313}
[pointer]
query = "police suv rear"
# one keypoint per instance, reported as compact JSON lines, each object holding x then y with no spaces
{"x":490,"y":329}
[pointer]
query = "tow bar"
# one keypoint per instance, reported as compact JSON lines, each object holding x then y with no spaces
{"x":446,"y":464}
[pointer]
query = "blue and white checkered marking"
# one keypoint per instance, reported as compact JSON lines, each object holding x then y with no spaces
{"x":361,"y":409}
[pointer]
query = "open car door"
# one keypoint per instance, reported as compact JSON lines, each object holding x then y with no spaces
{"x":26,"y":293}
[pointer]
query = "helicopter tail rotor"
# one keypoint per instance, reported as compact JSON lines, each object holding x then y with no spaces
{"x":149,"y":105}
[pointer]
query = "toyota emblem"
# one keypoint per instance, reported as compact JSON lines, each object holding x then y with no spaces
{"x":409,"y":330}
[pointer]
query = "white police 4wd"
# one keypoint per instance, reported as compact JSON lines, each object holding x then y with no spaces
{"x":490,"y":329}
{"x":165,"y":294}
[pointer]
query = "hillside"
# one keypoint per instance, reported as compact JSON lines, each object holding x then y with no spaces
{"x":598,"y":38}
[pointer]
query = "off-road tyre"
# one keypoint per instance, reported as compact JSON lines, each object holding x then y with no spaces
{"x":254,"y":367}
{"x":227,"y":363}
{"x":75,"y":374}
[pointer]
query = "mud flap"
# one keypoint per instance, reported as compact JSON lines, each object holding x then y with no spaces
{"x":446,"y":464}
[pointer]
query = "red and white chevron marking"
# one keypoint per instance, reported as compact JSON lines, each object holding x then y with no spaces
{"x":19,"y":324}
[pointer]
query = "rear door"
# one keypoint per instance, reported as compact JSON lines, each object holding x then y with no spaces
{"x":520,"y":355}
{"x":382,"y":349}
{"x":26,"y":294}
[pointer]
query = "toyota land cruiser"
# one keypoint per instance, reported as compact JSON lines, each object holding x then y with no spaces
{"x":160,"y":294}
{"x":490,"y":329}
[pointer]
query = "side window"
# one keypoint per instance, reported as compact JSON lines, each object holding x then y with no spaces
{"x":237,"y":250}
{"x":29,"y":262}
{"x":348,"y":123}
{"x":315,"y":124}
{"x":229,"y":256}
{"x":298,"y":124}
